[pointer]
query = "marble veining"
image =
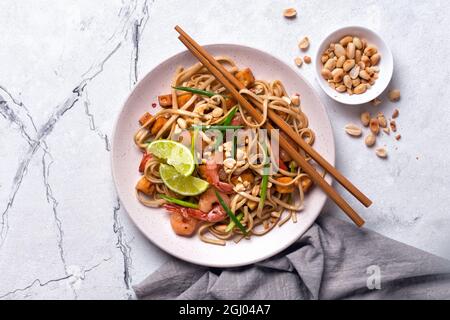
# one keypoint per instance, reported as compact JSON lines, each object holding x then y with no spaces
{"x":68,"y":66}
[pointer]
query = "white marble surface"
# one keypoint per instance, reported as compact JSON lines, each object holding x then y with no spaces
{"x":67,"y":66}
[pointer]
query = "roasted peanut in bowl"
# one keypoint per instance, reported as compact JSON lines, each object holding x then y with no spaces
{"x":354,"y":65}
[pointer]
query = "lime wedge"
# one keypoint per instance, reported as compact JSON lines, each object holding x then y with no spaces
{"x":186,"y":186}
{"x":175,"y":154}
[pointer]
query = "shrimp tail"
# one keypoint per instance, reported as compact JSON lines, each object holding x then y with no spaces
{"x":173,"y":208}
{"x":215,"y":215}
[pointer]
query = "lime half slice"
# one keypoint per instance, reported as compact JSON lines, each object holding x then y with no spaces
{"x":186,"y":186}
{"x":175,"y":154}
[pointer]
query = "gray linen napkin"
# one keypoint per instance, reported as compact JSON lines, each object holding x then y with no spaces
{"x":332,"y":260}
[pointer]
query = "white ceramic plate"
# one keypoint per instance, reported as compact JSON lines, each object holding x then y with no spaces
{"x":386,"y":65}
{"x":154,"y":223}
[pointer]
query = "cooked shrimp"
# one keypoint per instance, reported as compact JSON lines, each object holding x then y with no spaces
{"x":216,"y":214}
{"x":210,"y":171}
{"x":183,"y":225}
{"x":208,"y":198}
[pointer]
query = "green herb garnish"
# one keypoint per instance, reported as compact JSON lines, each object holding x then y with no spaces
{"x":179,"y":202}
{"x":194,"y":138}
{"x":231,"y":225}
{"x":230,"y":214}
{"x":264,"y":183}
{"x":197,"y":91}
{"x":213,"y":127}
{"x":230,"y":116}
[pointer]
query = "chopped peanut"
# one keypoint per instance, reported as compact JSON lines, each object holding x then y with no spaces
{"x":183,"y":99}
{"x":165,"y":101}
{"x":252,"y":205}
{"x":145,"y":118}
{"x":245,"y":76}
{"x":145,"y":186}
{"x":157,"y":125}
{"x":284,"y":189}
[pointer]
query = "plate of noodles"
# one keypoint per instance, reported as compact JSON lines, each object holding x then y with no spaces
{"x":203,"y":180}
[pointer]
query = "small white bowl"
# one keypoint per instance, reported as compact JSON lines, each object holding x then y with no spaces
{"x":386,"y":65}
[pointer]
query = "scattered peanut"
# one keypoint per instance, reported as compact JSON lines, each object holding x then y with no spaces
{"x":304,"y":44}
{"x":381,"y":152}
{"x":374,"y":126}
{"x":298,"y":61}
{"x":394,"y":95}
{"x":393,"y":125}
{"x":307,"y":59}
{"x":370,"y":140}
{"x":353,"y":130}
{"x":290,"y":13}
{"x":382,"y":120}
{"x":376,"y":102}
{"x":365,"y":119}
{"x":395,"y":114}
{"x":398,"y":137}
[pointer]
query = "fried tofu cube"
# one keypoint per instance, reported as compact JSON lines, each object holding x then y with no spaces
{"x":284,"y":189}
{"x":146,"y":117}
{"x":306,"y":184}
{"x":145,"y":186}
{"x":157,"y":125}
{"x":165,"y":101}
{"x":245,"y":76}
{"x":182,"y":99}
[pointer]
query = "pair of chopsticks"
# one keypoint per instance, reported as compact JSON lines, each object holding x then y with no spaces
{"x":234,"y":86}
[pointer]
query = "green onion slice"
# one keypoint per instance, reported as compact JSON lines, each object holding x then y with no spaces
{"x":197,"y":91}
{"x":231,"y":225}
{"x":230,"y":116}
{"x":179,"y":202}
{"x":230,"y":214}
{"x":213,"y":127}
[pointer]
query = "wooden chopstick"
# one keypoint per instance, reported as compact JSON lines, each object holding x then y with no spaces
{"x":308,"y":168}
{"x":283,"y":126}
